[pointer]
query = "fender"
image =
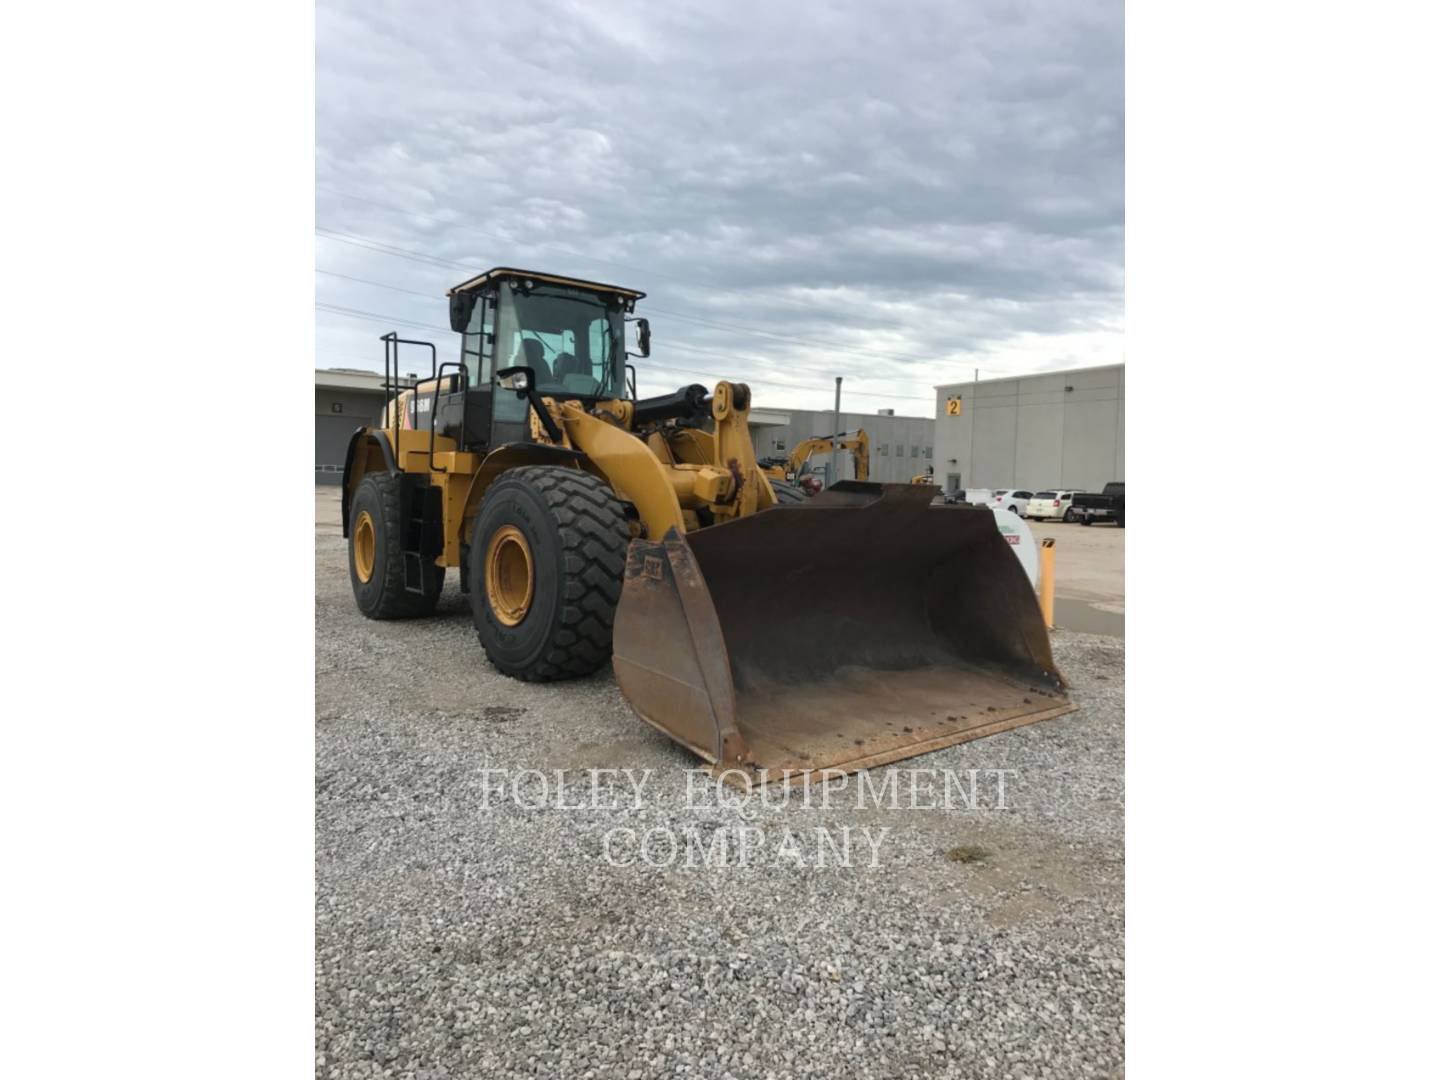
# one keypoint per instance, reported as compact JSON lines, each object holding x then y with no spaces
{"x":509,"y":455}
{"x":348,"y":485}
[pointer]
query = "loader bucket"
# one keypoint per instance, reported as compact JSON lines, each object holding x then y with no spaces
{"x":854,"y":629}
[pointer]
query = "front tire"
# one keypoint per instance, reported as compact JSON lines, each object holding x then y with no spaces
{"x":1069,"y":516}
{"x":786,"y":492}
{"x":377,"y":560}
{"x":547,"y":558}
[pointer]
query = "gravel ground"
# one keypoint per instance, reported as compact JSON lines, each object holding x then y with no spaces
{"x":460,"y":934}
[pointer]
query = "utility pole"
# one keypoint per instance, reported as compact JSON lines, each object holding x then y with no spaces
{"x":834,"y":473}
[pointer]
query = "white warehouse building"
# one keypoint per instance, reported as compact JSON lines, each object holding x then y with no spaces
{"x":1059,"y":429}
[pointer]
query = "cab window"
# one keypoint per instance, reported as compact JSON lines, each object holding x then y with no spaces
{"x":568,"y":336}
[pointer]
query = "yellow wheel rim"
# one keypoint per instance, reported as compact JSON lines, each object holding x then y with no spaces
{"x":364,"y":547}
{"x":509,"y":575}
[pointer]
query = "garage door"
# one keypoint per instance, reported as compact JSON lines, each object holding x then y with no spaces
{"x":332,"y":438}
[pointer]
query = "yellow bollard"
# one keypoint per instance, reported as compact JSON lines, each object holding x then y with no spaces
{"x":1047,"y":582}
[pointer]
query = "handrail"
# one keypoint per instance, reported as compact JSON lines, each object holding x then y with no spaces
{"x":392,"y":385}
{"x":464,"y":373}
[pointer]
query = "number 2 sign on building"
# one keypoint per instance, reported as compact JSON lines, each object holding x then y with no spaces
{"x":952,"y":406}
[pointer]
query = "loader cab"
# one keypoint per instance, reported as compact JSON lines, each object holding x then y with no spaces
{"x":571,"y":332}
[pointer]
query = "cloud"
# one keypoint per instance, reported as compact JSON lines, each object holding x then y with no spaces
{"x":897,"y":195}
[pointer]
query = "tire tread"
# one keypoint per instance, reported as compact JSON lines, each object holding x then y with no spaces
{"x":395,"y":601}
{"x":786,"y":492}
{"x":595,"y":536}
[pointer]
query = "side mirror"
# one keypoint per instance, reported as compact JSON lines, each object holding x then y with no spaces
{"x":522,"y":381}
{"x":519,"y":379}
{"x":642,"y":336}
{"x":461,"y":305}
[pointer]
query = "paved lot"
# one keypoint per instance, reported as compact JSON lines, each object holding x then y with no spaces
{"x":1089,"y":562}
{"x":461,"y":934}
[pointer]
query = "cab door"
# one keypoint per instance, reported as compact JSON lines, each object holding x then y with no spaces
{"x":477,"y":352}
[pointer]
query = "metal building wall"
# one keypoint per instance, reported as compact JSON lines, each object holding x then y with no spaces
{"x":333,"y":428}
{"x":1063,"y":429}
{"x":900,"y":446}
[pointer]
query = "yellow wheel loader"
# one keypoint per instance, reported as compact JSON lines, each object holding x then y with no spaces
{"x":588,"y":525}
{"x":790,"y":468}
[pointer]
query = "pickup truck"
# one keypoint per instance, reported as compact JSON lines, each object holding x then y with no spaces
{"x":1109,"y":505}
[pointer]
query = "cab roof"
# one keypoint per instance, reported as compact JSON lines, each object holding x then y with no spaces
{"x":500,"y":272}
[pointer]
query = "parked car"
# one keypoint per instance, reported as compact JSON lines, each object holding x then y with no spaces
{"x":1050,"y":505}
{"x":1013,"y":499}
{"x":1109,"y":505}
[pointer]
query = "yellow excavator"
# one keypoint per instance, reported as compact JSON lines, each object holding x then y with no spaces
{"x":792,"y":469}
{"x":765,"y":631}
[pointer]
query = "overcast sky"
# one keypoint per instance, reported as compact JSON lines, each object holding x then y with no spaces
{"x":894,"y":193}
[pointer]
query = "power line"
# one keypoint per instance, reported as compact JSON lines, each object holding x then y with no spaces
{"x":387,"y":249}
{"x":662,"y":365}
{"x":377,"y":284}
{"x":712,"y":286}
{"x":669,"y":343}
{"x":700,"y":282}
{"x":727,"y":355}
{"x":370,"y":316}
{"x":355,"y":313}
{"x":335,"y":309}
{"x":735,"y":328}
{"x":784,"y":337}
{"x":495,"y":236}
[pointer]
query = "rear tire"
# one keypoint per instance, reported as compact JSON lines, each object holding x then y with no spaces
{"x":1069,"y":516}
{"x":568,"y":531}
{"x":377,"y":562}
{"x":1086,"y":520}
{"x":786,"y":492}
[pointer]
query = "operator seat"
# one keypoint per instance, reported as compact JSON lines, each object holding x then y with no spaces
{"x":535,"y":358}
{"x":568,"y":364}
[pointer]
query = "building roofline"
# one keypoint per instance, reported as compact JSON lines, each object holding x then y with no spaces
{"x":353,"y":379}
{"x":1030,"y":375}
{"x":356,"y":379}
{"x":930,"y":417}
